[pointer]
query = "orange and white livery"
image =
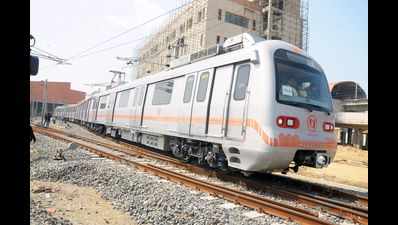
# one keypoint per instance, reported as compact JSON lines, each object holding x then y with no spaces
{"x":250,"y":104}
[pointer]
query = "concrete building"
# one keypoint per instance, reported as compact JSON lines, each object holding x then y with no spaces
{"x":58,"y":93}
{"x":202,"y":24}
{"x":351,"y":107}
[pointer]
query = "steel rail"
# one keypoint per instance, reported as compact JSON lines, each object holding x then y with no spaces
{"x":338,"y":208}
{"x":249,"y":200}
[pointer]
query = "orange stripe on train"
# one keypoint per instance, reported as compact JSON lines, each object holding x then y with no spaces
{"x":283,"y":140}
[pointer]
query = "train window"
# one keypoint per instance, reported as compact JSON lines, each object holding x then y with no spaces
{"x":103,"y":101}
{"x":94,"y":104}
{"x":300,"y":83}
{"x":124,"y":98}
{"x":242,"y":80}
{"x":188,"y":88}
{"x":162,"y":93}
{"x":202,"y":89}
{"x":111,"y":101}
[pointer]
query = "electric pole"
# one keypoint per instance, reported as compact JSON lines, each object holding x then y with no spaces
{"x":44,"y":102}
{"x":269,"y":20}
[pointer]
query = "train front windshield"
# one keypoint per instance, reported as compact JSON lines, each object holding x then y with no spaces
{"x":300,"y":82}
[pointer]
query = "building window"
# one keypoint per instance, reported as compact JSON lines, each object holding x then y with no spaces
{"x":123,"y":98}
{"x":236,"y":19}
{"x":201,"y":40}
{"x":199,"y":16}
{"x":162,"y":93}
{"x":219,"y":14}
{"x":182,"y":28}
{"x":218,"y":39}
{"x":188,"y":88}
{"x":204,"y":13}
{"x":242,"y":81}
{"x":254,"y":24}
{"x":202,"y":89}
{"x":173,"y":35}
{"x":189,"y":23}
{"x":280,"y":5}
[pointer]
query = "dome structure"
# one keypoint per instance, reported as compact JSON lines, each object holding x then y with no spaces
{"x":346,"y":90}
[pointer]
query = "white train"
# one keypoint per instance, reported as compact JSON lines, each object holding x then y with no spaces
{"x":251,"y":104}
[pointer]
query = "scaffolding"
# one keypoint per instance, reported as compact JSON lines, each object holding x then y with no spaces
{"x":304,"y":11}
{"x":183,"y":33}
{"x":288,"y":21}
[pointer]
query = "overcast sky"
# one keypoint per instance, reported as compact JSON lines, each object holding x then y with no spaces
{"x":338,"y":36}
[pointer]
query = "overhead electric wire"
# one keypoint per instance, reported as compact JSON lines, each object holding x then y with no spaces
{"x":78,"y":56}
{"x":112,"y":47}
{"x":40,"y":50}
{"x":47,"y":57}
{"x":126,"y":31}
{"x":139,"y":39}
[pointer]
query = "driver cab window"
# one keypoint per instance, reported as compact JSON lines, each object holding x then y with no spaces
{"x":294,"y":87}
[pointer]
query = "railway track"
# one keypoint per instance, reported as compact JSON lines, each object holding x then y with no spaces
{"x":338,"y":208}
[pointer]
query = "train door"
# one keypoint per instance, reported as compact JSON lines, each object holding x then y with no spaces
{"x":133,"y":118}
{"x":219,"y":101}
{"x":110,"y":108}
{"x":185,"y":111}
{"x":95,"y":109}
{"x":89,"y":106}
{"x":138,"y":101}
{"x":238,"y":104}
{"x":201,"y":103}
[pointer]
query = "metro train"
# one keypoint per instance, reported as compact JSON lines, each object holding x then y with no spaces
{"x":250,"y":105}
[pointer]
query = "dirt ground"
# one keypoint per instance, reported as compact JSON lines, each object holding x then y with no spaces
{"x":350,"y":167}
{"x":80,"y":205}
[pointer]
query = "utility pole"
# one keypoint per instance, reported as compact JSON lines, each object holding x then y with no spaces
{"x":44,"y":102}
{"x":269,"y":20}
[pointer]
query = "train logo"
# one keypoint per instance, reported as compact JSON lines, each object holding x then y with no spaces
{"x":311,"y":123}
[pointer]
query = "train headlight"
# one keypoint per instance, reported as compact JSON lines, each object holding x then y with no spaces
{"x":328,"y":127}
{"x":287,"y":122}
{"x":280,"y":121}
{"x":321,"y":160}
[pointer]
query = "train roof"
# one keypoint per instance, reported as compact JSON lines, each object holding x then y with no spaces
{"x":244,"y":47}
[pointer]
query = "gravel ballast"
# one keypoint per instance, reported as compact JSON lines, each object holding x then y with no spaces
{"x":40,"y":216}
{"x":147,"y":199}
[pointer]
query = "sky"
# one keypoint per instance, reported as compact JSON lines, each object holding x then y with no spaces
{"x":338,"y":31}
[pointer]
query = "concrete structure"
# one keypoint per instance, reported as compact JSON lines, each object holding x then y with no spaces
{"x":58,"y":93}
{"x":351,"y":106}
{"x":204,"y":23}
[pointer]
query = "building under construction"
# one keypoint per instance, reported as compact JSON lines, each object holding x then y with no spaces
{"x":201,"y":24}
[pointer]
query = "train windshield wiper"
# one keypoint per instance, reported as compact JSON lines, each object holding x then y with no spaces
{"x":310,"y":107}
{"x":320,"y":108}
